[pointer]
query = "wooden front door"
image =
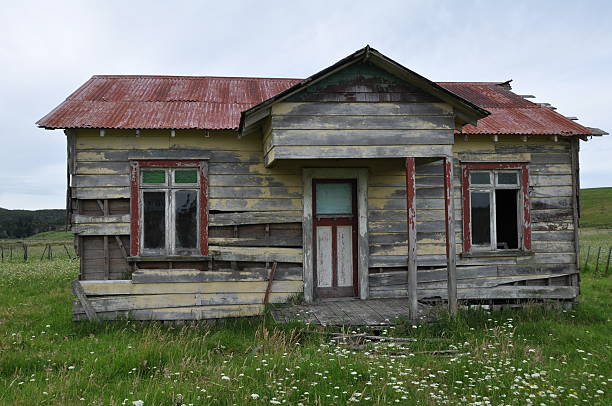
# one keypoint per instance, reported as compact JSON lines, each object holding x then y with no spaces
{"x":335,"y":237}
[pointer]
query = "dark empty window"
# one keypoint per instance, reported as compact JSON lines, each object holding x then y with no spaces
{"x":170,"y":201}
{"x":154,"y":219}
{"x":495,"y":209}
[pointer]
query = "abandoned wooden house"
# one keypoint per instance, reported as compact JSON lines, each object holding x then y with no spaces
{"x":206,"y":197}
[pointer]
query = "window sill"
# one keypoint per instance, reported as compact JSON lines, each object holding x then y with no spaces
{"x":169,"y":258}
{"x":499,"y":253}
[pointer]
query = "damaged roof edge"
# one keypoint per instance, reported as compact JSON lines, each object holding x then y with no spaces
{"x":597,"y":131}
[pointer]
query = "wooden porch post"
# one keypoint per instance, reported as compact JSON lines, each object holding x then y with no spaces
{"x":451,"y":249}
{"x":412,"y":254}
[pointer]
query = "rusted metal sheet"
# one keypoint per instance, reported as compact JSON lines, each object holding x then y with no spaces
{"x":511,"y":113}
{"x":215,"y":103}
{"x":150,"y":102}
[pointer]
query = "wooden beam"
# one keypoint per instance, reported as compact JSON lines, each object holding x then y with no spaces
{"x":270,"y":279}
{"x":451,"y":250}
{"x":77,"y":289}
{"x":412,"y":252}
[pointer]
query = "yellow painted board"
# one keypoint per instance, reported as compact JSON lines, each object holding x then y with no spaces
{"x":139,"y":302}
{"x":126,"y":287}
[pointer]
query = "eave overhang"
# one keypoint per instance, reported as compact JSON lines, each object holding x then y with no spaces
{"x":466,"y":112}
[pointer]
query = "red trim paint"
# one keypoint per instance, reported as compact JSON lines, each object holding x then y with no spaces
{"x":335,"y":290}
{"x":135,"y":199}
{"x":134,"y":210}
{"x":467,"y":214}
{"x":465,"y":172}
{"x":411,"y":203}
{"x":203,"y":212}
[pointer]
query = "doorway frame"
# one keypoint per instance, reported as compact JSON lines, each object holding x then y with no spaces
{"x":361,"y":175}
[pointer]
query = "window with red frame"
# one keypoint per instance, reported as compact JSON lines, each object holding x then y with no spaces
{"x":496,"y":207}
{"x":169,"y":208}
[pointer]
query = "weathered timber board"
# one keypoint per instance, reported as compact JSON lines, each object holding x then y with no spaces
{"x":141,"y":302}
{"x":126,"y":287}
{"x":190,"y":275}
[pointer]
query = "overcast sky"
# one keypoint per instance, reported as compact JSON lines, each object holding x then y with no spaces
{"x":559,"y":51}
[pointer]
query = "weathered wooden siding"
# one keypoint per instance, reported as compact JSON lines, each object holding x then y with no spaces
{"x":329,"y":120}
{"x":255,"y":213}
{"x":553,"y":259}
{"x":256,"y":219}
{"x":186,"y":294}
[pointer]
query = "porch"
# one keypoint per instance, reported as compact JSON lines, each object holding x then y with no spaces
{"x":348,"y":312}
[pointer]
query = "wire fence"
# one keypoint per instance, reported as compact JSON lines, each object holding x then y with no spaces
{"x":596,"y":259}
{"x":36,"y":251}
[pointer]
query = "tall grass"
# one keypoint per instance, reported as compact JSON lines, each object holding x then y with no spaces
{"x":531,"y":356}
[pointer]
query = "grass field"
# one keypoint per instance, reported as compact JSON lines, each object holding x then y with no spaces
{"x":52,"y":236}
{"x":596,"y":207}
{"x":595,"y":239}
{"x":525,"y":357}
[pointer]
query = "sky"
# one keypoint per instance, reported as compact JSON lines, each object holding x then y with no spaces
{"x":560,"y":51}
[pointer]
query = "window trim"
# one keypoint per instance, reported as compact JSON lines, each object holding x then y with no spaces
{"x":135,"y":197}
{"x":523,"y":167}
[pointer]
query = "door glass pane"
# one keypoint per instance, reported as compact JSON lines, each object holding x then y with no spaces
{"x":190,"y":176}
{"x":154,"y":214}
{"x":507,"y":178}
{"x":334,"y":198}
{"x":186,"y":218}
{"x":480,"y":178}
{"x":481,"y":218}
{"x":154,"y":176}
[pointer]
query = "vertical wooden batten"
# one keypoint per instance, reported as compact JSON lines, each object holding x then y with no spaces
{"x":575,"y":148}
{"x":412,"y":236}
{"x":451,"y":250}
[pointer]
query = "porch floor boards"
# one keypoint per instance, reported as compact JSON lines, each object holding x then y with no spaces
{"x":353,"y":312}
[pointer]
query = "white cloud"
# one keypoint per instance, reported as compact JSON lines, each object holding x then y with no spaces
{"x":552,"y":50}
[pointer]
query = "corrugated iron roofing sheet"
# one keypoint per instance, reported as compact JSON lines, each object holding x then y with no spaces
{"x":215,"y":103}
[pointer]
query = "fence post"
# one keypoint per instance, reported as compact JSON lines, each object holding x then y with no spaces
{"x":2,"y":250}
{"x":25,"y":252}
{"x":597,"y":261}
{"x":608,"y":262}
{"x":586,"y":261}
{"x":50,"y":253}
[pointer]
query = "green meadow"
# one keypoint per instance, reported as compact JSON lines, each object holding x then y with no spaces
{"x":531,"y":356}
{"x":516,"y":357}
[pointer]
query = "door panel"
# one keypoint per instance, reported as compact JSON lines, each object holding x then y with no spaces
{"x":324,"y":257}
{"x":335,"y":230}
{"x":344,"y":246}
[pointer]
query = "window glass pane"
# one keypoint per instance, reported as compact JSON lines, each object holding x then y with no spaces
{"x":154,"y":214}
{"x":186,"y":218}
{"x":507,"y":178}
{"x":506,"y":201}
{"x":480,"y":178}
{"x":481,"y":218}
{"x":334,"y":198}
{"x":154,"y":176}
{"x":190,"y":176}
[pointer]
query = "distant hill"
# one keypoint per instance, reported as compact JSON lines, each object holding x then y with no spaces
{"x":24,"y":223}
{"x":596,"y":207}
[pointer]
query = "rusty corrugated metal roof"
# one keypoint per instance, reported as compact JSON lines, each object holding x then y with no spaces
{"x":215,"y":103}
{"x":511,"y":113}
{"x":155,"y":102}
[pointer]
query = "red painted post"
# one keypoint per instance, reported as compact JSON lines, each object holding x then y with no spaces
{"x":451,"y":250}
{"x":412,"y":252}
{"x":134,"y":210}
